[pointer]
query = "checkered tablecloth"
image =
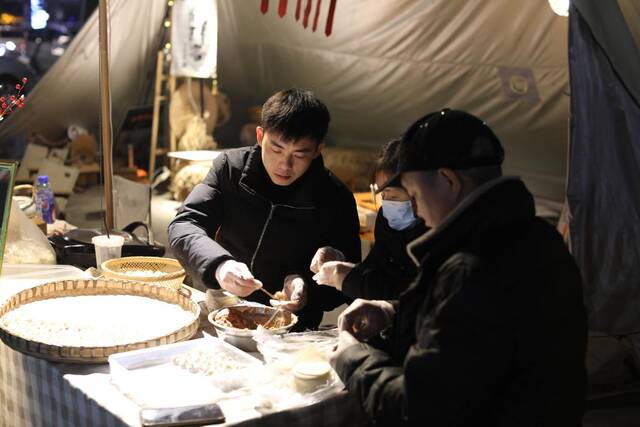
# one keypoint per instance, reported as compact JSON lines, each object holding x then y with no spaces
{"x":33,"y":392}
{"x":36,"y":392}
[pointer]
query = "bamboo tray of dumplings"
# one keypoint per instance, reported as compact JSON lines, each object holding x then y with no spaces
{"x":88,"y":287}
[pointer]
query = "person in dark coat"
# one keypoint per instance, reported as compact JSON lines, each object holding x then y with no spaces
{"x":262,"y":211}
{"x":387,"y":270}
{"x":493,"y":330}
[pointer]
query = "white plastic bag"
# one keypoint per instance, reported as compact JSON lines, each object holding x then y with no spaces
{"x":285,"y":348}
{"x":282,"y":354}
{"x":26,"y":243}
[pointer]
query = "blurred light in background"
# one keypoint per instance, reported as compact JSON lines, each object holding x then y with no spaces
{"x":39,"y":15}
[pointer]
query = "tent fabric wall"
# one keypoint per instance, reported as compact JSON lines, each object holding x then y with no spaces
{"x":604,"y":177}
{"x":390,"y":61}
{"x":631,"y":11}
{"x":386,"y":63}
{"x":69,"y":92}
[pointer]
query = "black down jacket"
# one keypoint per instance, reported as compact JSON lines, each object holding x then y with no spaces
{"x":491,"y":333}
{"x":230,"y":216}
{"x":387,"y":270}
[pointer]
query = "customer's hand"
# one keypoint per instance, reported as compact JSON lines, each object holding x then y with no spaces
{"x":332,"y":273}
{"x":345,"y":340}
{"x":325,"y":254}
{"x":365,"y":319}
{"x":295,"y":290}
{"x":235,"y":277}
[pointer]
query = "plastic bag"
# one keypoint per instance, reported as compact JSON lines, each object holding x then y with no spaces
{"x":285,"y":348}
{"x":283,"y":354}
{"x":26,"y":243}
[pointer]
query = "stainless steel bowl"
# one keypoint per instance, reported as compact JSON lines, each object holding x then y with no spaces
{"x":243,"y":338}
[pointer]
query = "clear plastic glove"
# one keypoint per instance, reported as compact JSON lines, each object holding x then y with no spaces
{"x":345,"y":340}
{"x":365,"y":319}
{"x":295,"y":290}
{"x":235,"y":277}
{"x":325,"y":254}
{"x":332,"y":273}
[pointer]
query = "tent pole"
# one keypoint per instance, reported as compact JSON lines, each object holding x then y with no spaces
{"x":105,"y":112}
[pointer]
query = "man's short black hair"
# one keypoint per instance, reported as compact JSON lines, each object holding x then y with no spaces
{"x":387,"y":160}
{"x":295,"y":114}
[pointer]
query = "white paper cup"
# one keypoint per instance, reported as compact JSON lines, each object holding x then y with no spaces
{"x":107,"y":247}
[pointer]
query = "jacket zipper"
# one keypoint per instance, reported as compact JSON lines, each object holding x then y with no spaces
{"x":266,"y":223}
{"x":264,"y":230}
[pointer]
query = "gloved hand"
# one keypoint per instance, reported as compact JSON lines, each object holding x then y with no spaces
{"x":325,"y":254}
{"x":345,"y":340}
{"x":332,"y":273}
{"x":295,"y":290}
{"x":365,"y":319}
{"x":236,"y":278}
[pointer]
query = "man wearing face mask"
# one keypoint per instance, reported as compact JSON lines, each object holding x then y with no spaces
{"x":387,"y":270}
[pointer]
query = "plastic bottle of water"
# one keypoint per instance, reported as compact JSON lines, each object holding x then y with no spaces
{"x":45,"y":199}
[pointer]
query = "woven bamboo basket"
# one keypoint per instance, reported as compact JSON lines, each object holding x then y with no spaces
{"x":83,"y":287}
{"x":122,"y":268}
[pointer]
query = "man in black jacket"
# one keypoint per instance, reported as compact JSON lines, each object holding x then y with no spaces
{"x":493,"y":330}
{"x":262,"y":211}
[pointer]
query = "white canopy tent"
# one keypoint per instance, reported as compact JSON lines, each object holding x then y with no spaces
{"x":389,"y":62}
{"x":386,"y":63}
{"x":70,"y":93}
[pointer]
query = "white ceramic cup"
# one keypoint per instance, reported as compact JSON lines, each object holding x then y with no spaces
{"x":107,"y":247}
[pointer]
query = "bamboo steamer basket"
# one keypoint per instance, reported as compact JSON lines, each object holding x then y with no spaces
{"x":172,"y":277}
{"x":84,"y":287}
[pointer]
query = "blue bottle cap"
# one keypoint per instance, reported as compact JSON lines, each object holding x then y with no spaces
{"x":43,"y":179}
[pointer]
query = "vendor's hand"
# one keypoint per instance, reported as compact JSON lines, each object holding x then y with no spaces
{"x":332,"y":273}
{"x":365,"y":319}
{"x":295,"y":290}
{"x":235,"y":277}
{"x":325,"y":254}
{"x":345,"y":340}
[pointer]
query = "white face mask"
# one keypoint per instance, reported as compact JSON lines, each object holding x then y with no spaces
{"x":399,"y":215}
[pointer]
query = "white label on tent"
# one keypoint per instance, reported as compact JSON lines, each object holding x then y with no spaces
{"x":194,"y":38}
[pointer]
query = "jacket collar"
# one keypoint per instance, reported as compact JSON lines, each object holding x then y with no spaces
{"x":485,"y":213}
{"x":301,"y":193}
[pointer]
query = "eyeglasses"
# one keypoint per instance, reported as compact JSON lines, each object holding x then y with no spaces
{"x":374,"y":191}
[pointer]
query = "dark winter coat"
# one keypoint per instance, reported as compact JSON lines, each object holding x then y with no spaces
{"x":387,"y":270}
{"x":232,"y":214}
{"x":491,"y":333}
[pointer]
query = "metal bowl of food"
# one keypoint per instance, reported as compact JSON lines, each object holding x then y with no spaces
{"x":238,"y":324}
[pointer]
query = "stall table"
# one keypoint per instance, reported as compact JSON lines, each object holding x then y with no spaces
{"x":37,"y":392}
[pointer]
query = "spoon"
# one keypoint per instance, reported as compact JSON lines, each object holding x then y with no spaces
{"x":278,"y":302}
{"x":273,"y":316}
{"x":268,"y":293}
